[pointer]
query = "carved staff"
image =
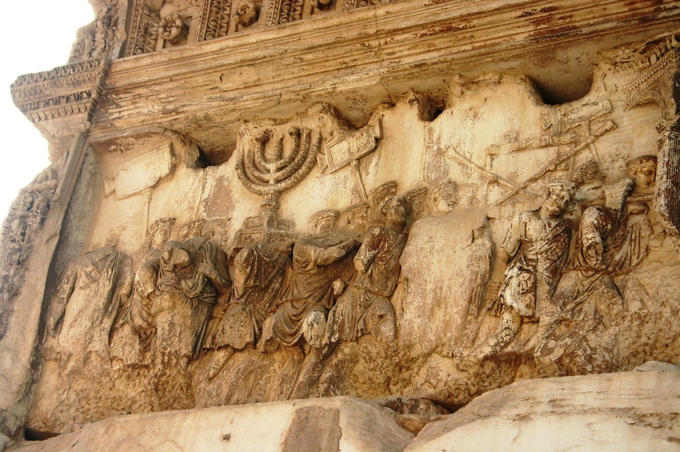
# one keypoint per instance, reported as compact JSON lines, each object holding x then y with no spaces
{"x":607,"y":127}
{"x":349,"y":149}
{"x":460,"y":158}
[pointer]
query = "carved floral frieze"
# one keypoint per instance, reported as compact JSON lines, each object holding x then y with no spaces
{"x":20,"y":231}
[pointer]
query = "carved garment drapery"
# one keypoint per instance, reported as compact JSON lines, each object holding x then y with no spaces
{"x":317,"y":264}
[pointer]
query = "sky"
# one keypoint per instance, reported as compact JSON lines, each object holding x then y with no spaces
{"x":38,"y":35}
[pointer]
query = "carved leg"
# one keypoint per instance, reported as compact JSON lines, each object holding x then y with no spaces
{"x":267,"y":334}
{"x":310,"y":372}
{"x":330,"y":338}
{"x":547,"y":350}
{"x":510,"y":324}
{"x":218,"y":361}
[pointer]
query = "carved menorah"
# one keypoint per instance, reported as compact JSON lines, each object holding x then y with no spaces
{"x":270,"y":174}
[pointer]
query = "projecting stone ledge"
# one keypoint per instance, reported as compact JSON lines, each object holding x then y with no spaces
{"x":638,"y":410}
{"x":624,"y":411}
{"x":340,"y":423}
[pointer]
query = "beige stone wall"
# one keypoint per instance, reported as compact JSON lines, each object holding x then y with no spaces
{"x":180,"y":267}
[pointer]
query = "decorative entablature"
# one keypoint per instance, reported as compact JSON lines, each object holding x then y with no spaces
{"x":155,"y":26}
{"x":242,"y":77}
{"x":59,"y":102}
{"x":658,"y":67}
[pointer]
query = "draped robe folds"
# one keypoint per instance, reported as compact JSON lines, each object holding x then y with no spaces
{"x":317,"y":263}
{"x":260,"y":274}
{"x":371,"y":288}
{"x":538,"y":248}
{"x":88,"y":302}
{"x":613,"y":240}
{"x":139,"y":309}
{"x":187,"y":296}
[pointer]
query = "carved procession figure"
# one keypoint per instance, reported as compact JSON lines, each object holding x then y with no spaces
{"x":537,"y":247}
{"x":87,"y":305}
{"x":614,"y":228}
{"x":259,"y":275}
{"x":146,"y":280}
{"x":612,"y":240}
{"x":365,"y":306}
{"x":191,"y":278}
{"x":322,"y":266}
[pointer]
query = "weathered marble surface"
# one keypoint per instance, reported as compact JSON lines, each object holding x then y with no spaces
{"x":340,"y":423}
{"x":624,"y":411}
{"x":419,"y":199}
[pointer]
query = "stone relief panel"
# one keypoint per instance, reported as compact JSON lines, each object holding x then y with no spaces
{"x":429,"y":257}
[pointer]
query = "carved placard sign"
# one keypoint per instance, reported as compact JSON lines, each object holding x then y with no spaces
{"x":343,"y":150}
{"x":143,"y":172}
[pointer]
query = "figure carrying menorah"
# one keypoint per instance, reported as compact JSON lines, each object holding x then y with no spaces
{"x":264,"y":169}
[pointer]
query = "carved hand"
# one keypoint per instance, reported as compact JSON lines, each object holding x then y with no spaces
{"x":206,"y":269}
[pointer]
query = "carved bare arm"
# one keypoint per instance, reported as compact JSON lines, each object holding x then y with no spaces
{"x":366,"y":255}
{"x":221,"y":281}
{"x":513,"y":238}
{"x":335,"y":253}
{"x":508,"y":249}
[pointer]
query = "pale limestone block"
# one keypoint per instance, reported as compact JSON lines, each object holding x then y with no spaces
{"x":626,"y":411}
{"x":340,"y":423}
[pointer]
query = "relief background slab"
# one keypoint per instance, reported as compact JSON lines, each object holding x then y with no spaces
{"x":499,"y":116}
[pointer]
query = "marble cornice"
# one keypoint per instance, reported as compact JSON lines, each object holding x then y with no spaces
{"x":359,"y":59}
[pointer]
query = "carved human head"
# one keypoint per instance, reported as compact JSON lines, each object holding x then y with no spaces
{"x":417,"y":200}
{"x":381,"y":193}
{"x":191,"y":229}
{"x":356,"y":218}
{"x":643,"y":171}
{"x":557,"y":197}
{"x":395,"y":211}
{"x":174,"y":257}
{"x":442,"y":199}
{"x":324,"y":220}
{"x":159,"y":231}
